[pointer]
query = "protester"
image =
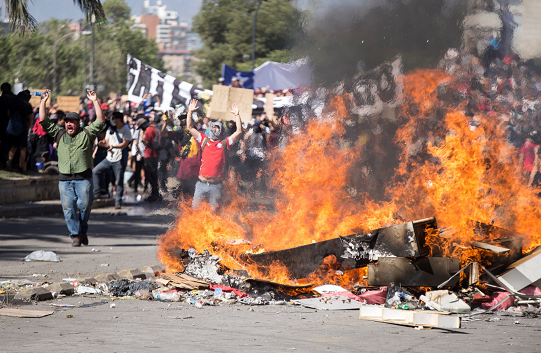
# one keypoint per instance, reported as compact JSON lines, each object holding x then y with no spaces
{"x":7,"y":96}
{"x":213,"y":157}
{"x":116,"y":141}
{"x":138,"y":155}
{"x":151,"y":141}
{"x":75,"y":166}
{"x":20,"y":120}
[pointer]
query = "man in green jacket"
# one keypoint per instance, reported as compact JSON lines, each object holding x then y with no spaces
{"x":75,"y":165}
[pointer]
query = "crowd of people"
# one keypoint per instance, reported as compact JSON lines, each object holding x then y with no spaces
{"x":151,"y":145}
{"x":505,"y":88}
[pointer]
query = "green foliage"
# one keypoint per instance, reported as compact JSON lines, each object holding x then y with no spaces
{"x":29,"y":59}
{"x":225,"y":28}
{"x":418,"y":30}
{"x":116,"y":10}
{"x":22,"y":21}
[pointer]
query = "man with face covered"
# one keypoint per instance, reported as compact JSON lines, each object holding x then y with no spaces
{"x":213,"y":158}
{"x":75,"y":165}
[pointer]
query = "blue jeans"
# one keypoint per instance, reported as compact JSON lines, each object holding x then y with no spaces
{"x":118,"y":169}
{"x":213,"y":191}
{"x":76,"y":194}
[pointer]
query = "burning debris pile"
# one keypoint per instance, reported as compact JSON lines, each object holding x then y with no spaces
{"x":363,"y":166}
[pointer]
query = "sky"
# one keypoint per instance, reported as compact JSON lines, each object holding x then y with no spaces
{"x":44,"y":10}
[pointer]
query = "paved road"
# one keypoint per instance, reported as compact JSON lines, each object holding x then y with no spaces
{"x":136,"y":326}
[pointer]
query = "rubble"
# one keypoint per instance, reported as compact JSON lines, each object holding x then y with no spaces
{"x":523,"y":272}
{"x":407,"y":272}
{"x":33,"y":293}
{"x":132,"y":274}
{"x":41,"y":255}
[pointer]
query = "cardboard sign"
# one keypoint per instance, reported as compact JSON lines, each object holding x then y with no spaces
{"x":224,"y":96}
{"x":68,"y":103}
{"x":269,"y":104}
{"x":124,"y":98}
{"x":35,"y":100}
{"x":113,"y":96}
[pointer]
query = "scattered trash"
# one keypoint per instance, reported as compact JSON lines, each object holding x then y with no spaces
{"x":443,"y":300}
{"x":334,"y":302}
{"x":172,"y":296}
{"x":63,"y":305}
{"x":24,"y":313}
{"x":42,"y":255}
{"x":113,"y":305}
{"x":204,"y":266}
{"x":91,"y":305}
{"x":87,"y":290}
{"x":104,"y":265}
{"x":95,"y":250}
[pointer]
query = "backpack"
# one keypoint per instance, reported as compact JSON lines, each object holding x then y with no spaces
{"x":158,"y":143}
{"x":15,"y":124}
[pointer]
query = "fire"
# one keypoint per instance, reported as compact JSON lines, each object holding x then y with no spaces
{"x":448,"y":168}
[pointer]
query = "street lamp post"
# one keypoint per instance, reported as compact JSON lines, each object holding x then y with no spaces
{"x":54,"y":58}
{"x":253,"y":31}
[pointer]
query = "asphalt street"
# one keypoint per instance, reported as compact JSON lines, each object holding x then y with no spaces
{"x":126,"y":242}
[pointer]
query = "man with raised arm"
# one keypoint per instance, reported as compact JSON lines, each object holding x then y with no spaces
{"x":75,"y":165}
{"x":213,"y":158}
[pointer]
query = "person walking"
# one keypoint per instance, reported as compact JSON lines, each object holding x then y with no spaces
{"x":75,"y":165}
{"x":116,"y":141}
{"x":213,"y":157}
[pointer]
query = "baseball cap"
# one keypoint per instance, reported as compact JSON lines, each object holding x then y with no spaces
{"x":72,"y":116}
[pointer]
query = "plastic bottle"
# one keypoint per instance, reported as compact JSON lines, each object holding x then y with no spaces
{"x":35,"y":93}
{"x":167,"y":296}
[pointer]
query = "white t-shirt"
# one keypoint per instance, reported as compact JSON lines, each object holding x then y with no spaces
{"x":115,"y":139}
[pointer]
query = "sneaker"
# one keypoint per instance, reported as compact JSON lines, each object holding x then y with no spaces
{"x":76,"y":241}
{"x":84,"y":239}
{"x":118,"y":207}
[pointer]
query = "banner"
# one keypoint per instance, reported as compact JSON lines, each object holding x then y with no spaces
{"x":68,"y":103}
{"x":170,"y":92}
{"x":246,"y":78}
{"x":224,"y":96}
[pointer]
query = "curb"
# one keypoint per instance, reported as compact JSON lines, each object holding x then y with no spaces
{"x":43,"y":208}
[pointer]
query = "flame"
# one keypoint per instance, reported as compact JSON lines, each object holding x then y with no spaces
{"x":447,"y":169}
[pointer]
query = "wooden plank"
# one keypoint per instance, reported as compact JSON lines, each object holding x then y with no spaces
{"x":24,"y":313}
{"x":490,"y":247}
{"x":408,"y":317}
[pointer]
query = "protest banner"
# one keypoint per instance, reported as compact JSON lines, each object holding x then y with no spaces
{"x":224,"y":96}
{"x":143,"y":79}
{"x":269,"y":104}
{"x":68,"y":103}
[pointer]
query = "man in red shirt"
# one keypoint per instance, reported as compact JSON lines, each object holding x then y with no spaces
{"x":213,"y":158}
{"x":151,"y":158}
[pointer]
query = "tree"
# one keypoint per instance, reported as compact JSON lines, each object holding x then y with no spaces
{"x":21,"y":20}
{"x":29,"y":59}
{"x":225,"y":28}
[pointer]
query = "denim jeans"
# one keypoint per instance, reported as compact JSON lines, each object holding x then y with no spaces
{"x":118,"y":169}
{"x":76,"y":194}
{"x":213,"y":191}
